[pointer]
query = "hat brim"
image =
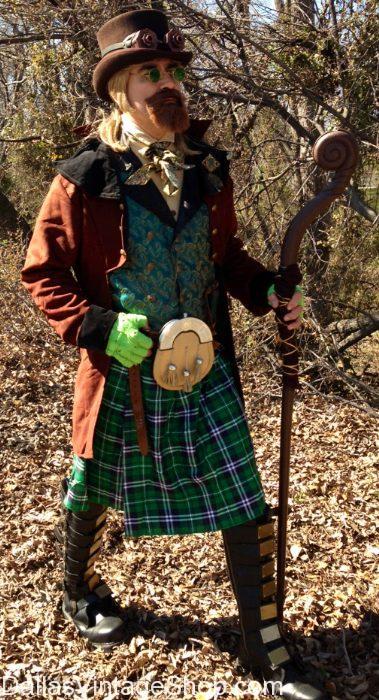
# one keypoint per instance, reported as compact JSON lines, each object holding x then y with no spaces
{"x":122,"y":58}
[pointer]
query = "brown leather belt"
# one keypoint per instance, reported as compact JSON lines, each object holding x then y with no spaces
{"x":137,"y":398}
{"x":138,"y":410}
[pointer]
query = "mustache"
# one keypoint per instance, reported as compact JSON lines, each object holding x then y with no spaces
{"x":161,"y":96}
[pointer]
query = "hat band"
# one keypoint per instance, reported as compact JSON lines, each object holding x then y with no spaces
{"x":147,"y":39}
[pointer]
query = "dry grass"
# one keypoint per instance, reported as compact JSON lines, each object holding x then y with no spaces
{"x":183,"y":617}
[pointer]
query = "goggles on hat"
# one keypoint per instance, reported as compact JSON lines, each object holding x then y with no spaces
{"x":147,"y":39}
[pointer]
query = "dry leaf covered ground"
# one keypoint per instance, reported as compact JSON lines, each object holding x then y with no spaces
{"x":183,"y":617}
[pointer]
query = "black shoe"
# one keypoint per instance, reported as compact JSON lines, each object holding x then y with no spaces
{"x":97,"y":617}
{"x":249,"y":550}
{"x":291,"y":679}
{"x":87,"y":600}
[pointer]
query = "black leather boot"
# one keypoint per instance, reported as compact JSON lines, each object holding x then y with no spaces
{"x":87,"y":600}
{"x":249,"y":550}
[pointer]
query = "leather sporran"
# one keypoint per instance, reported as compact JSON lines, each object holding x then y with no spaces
{"x":184,"y":355}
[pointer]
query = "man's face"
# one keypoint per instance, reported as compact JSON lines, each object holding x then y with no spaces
{"x":161,"y":102}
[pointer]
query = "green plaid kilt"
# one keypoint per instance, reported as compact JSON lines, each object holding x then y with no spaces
{"x":200,"y":474}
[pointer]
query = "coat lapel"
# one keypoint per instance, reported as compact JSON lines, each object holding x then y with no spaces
{"x":190,"y":199}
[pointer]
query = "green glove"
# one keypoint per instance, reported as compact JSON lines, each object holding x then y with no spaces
{"x":271,"y":290}
{"x":125,"y":343}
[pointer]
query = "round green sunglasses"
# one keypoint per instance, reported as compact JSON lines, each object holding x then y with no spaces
{"x":178,"y":74}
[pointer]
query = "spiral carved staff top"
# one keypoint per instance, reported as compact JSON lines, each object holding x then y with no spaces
{"x":337,"y":150}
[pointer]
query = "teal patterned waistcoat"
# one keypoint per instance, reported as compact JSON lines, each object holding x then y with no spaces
{"x":167,"y":272}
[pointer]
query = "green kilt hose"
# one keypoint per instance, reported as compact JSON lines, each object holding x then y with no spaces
{"x":200,"y":474}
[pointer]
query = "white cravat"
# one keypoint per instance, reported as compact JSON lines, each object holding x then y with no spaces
{"x":138,"y":140}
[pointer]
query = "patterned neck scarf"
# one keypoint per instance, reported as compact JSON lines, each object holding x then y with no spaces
{"x":163,"y":158}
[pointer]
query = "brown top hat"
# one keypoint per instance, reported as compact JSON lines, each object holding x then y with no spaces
{"x":134,"y":37}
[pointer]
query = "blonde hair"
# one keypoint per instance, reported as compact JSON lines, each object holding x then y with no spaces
{"x":109,"y":129}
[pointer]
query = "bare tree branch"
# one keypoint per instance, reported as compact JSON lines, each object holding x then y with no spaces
{"x":26,"y":39}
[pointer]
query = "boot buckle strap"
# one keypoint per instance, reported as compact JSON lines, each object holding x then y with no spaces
{"x":266,"y":530}
{"x":266,"y":547}
{"x":93,"y":581}
{"x":96,"y":545}
{"x":88,"y":573}
{"x":270,"y":634}
{"x":101,"y":518}
{"x":268,"y":568}
{"x":268,"y":611}
{"x":278,"y":656}
{"x":100,"y":532}
{"x":268,"y":589}
{"x":103,"y":590}
{"x":92,"y":559}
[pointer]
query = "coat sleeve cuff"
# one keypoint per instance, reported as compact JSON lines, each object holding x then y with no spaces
{"x":259,"y":288}
{"x":96,"y":327}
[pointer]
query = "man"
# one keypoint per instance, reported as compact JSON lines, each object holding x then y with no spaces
{"x":143,"y":214}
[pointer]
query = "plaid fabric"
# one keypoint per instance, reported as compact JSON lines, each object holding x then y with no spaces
{"x":201,"y":473}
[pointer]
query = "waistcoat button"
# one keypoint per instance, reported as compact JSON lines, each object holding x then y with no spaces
{"x":214,"y":207}
{"x":122,"y":207}
{"x":214,"y":231}
{"x":123,"y":252}
{"x":150,"y":266}
{"x":150,"y":235}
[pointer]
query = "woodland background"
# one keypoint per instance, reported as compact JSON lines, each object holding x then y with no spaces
{"x":273,"y":76}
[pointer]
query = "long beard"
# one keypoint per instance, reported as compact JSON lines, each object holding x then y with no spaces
{"x":167,"y":114}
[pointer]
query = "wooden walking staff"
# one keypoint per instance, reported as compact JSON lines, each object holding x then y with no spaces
{"x":336,"y":151}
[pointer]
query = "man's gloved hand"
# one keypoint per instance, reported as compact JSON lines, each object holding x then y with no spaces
{"x":126,"y":343}
{"x":295,"y":306}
